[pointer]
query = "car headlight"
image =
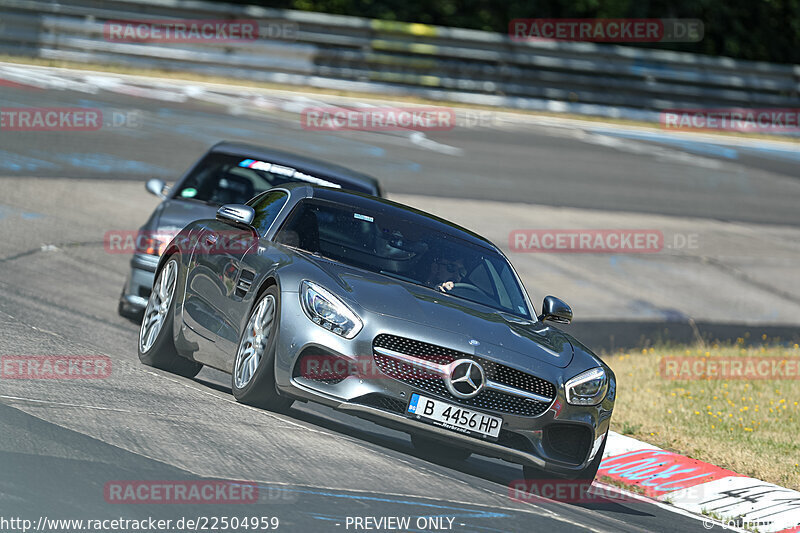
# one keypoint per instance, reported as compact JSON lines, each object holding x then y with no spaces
{"x":328,"y":311}
{"x":587,"y":388}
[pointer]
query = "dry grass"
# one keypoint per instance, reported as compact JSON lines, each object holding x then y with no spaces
{"x":191,"y":76}
{"x":750,"y":427}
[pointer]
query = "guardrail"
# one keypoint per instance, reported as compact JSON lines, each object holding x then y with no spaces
{"x":399,"y":58}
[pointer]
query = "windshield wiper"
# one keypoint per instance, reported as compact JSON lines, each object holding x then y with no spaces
{"x":315,"y":254}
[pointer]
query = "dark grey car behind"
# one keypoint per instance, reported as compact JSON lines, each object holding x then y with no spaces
{"x":179,"y":208}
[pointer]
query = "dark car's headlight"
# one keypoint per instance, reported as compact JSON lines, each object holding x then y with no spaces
{"x":148,"y":244}
{"x":328,"y":311}
{"x":587,"y":388}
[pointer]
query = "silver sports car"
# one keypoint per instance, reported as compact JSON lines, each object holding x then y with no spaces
{"x":384,"y":312}
{"x":227,"y":173}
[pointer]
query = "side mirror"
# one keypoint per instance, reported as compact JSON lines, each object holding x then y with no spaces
{"x":556,"y":310}
{"x":238,"y":213}
{"x":157,"y":187}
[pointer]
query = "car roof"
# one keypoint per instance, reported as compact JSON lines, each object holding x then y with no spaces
{"x":373,"y":203}
{"x":306,"y":164}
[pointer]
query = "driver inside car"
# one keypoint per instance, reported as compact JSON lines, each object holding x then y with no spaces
{"x":445,"y":273}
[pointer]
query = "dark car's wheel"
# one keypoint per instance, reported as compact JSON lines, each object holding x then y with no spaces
{"x":434,"y":449}
{"x":587,"y":474}
{"x":156,"y":345}
{"x":253,"y":377}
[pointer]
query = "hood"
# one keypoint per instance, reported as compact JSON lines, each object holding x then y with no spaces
{"x":176,"y":214}
{"x":496,"y":331}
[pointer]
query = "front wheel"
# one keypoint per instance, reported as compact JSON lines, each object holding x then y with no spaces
{"x":156,"y":345}
{"x":253,"y":377}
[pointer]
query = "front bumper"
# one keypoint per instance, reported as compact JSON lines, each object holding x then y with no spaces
{"x":527,"y":440}
{"x":139,"y":283}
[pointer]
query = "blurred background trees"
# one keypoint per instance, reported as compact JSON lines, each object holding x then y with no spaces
{"x":767,"y":30}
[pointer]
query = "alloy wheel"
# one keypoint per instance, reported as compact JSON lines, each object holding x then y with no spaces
{"x":158,"y":306}
{"x":254,"y":341}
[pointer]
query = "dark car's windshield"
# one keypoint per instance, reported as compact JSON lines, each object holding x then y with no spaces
{"x":227,"y":179}
{"x":387,"y":242}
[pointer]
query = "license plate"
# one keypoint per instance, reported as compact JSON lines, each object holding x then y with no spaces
{"x":453,"y":417}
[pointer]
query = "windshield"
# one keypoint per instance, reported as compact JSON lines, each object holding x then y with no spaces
{"x":227,"y":179}
{"x":386,"y":242}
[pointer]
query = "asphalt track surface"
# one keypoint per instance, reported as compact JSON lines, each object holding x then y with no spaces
{"x":739,"y":197}
{"x":62,"y":441}
{"x":548,"y":164}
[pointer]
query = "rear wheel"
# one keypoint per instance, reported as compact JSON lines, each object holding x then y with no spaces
{"x":434,"y":449}
{"x":253,"y":377}
{"x":156,"y":345}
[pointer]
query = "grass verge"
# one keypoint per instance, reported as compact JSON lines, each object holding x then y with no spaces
{"x":750,"y":426}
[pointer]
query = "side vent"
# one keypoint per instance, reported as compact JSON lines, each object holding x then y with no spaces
{"x":245,"y":281}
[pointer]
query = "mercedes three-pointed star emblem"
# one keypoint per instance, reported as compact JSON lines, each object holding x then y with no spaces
{"x":466,"y":379}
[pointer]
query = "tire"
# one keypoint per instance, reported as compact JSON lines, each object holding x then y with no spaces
{"x":156,"y":345}
{"x":253,"y":376}
{"x":434,"y":449}
{"x":587,"y":475}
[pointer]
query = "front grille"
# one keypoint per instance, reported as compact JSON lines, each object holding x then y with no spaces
{"x":488,"y":399}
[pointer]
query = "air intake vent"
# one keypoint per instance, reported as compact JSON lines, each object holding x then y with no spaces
{"x":245,"y":281}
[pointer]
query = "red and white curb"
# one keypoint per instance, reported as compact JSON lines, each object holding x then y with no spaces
{"x":699,"y":487}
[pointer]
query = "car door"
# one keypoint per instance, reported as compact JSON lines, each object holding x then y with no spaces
{"x":223,"y":277}
{"x":211,"y":272}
